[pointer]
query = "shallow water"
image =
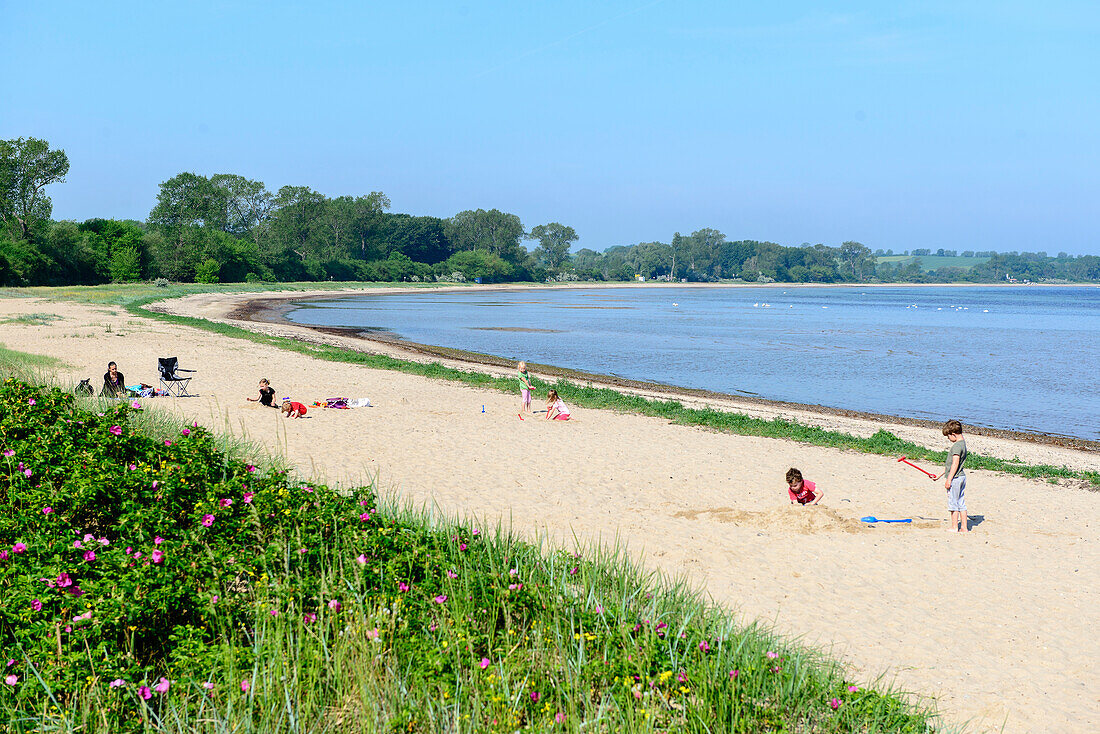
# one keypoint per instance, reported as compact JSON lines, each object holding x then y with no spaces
{"x":1023,"y":358}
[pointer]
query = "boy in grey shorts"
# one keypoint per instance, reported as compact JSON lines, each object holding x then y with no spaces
{"x":954,"y":477}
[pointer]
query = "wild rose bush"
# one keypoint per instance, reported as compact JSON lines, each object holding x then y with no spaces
{"x":146,"y":580}
{"x":116,"y":545}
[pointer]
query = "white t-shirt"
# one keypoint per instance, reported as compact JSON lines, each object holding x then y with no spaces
{"x":560,"y":407}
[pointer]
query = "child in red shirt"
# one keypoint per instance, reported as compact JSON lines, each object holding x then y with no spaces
{"x":292,"y":409}
{"x":802,"y":491}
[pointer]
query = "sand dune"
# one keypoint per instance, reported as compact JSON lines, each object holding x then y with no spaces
{"x":997,"y":626}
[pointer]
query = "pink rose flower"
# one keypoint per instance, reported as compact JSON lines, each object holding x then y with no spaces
{"x":334,"y":605}
{"x":208,"y":686}
{"x":402,"y":586}
{"x":186,"y":432}
{"x":47,"y":510}
{"x":361,"y":560}
{"x":704,"y":646}
{"x":19,"y":548}
{"x":89,"y":556}
{"x":115,"y":430}
{"x":156,"y":541}
{"x":3,"y":555}
{"x":835,"y":703}
{"x":36,"y":605}
{"x":440,"y":599}
{"x":451,"y":574}
{"x":207,"y":520}
{"x":245,"y":685}
{"x":484,"y":663}
{"x":145,"y":693}
{"x":157,"y":556}
{"x":248,"y":497}
{"x":64,"y":580}
{"x":309,"y":618}
{"x":225,"y":502}
{"x":116,"y":683}
{"x":11,"y":680}
{"x":734,"y":673}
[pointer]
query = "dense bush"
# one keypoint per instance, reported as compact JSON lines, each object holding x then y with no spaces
{"x":120,"y":546}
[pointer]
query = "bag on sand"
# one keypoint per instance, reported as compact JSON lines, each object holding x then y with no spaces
{"x":341,"y":403}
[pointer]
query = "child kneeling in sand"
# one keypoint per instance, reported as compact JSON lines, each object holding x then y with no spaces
{"x":802,"y":491}
{"x":556,"y":408}
{"x":292,"y":409}
{"x":267,"y":394}
{"x":954,"y":478}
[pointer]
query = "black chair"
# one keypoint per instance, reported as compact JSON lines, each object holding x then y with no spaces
{"x":170,"y":380}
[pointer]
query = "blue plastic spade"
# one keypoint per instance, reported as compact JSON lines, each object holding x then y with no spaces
{"x":872,"y":518}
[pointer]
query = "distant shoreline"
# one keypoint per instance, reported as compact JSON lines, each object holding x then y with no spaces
{"x":272,"y":309}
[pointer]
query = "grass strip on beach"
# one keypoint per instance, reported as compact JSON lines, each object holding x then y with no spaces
{"x":205,"y":594}
{"x":135,"y":298}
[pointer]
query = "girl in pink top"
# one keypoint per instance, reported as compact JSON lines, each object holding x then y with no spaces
{"x":800,"y":490}
{"x":556,"y":409}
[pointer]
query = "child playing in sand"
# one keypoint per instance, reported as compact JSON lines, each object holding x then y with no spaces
{"x":292,"y":409}
{"x":267,"y":394}
{"x":802,"y":491}
{"x":556,"y":409}
{"x":954,"y":478}
{"x":524,"y":388}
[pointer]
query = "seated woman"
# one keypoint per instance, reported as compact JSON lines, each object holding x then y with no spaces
{"x":556,"y":409}
{"x":114,"y":384}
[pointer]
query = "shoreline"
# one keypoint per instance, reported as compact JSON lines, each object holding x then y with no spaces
{"x":272,"y":309}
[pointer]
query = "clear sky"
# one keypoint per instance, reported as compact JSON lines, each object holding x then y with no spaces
{"x":965,"y":125}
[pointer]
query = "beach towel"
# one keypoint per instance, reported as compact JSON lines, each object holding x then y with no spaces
{"x":340,"y":403}
{"x":359,"y":403}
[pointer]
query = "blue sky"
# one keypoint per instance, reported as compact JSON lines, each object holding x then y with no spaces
{"x":908,"y":124}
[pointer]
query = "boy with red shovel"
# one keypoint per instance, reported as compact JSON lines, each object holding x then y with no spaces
{"x":953,"y":475}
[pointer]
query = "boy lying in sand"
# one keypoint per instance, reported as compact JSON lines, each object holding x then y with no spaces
{"x":802,"y":491}
{"x":292,"y":409}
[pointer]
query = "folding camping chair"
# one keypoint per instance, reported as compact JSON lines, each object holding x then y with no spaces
{"x":170,"y":379}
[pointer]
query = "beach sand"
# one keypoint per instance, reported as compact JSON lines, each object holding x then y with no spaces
{"x":996,"y":627}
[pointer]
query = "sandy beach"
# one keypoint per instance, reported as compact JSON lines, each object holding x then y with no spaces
{"x":995,"y":627}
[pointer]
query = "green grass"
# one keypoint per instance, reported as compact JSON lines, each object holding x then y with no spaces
{"x":26,"y":363}
{"x":31,"y":319}
{"x":934,"y":262}
{"x":134,"y":298}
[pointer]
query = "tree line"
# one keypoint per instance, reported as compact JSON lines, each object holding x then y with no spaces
{"x":229,"y":228}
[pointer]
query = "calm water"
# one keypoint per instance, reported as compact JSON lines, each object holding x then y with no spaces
{"x":1021,"y":358}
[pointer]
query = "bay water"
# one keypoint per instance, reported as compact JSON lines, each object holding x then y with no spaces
{"x":1022,"y":358}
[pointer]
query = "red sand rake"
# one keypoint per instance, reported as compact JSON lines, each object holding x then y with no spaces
{"x":928,"y":473}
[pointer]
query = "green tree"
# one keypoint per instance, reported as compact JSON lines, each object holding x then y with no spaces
{"x":494,"y":231}
{"x":207,"y":271}
{"x":125,"y":265}
{"x":188,"y":208}
{"x":554,"y":242}
{"x":248,"y":203}
{"x":27,"y":166}
{"x":856,"y":261}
